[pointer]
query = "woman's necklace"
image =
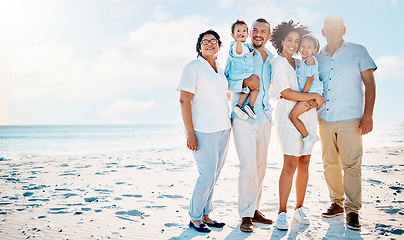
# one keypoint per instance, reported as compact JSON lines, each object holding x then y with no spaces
{"x":292,"y":62}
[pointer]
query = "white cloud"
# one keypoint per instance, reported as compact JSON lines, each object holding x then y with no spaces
{"x":389,"y":67}
{"x":160,"y":14}
{"x":121,"y":109}
{"x":276,"y":12}
{"x":269,"y":10}
{"x":226,"y":3}
{"x":58,"y":73}
{"x":151,"y":56}
{"x":308,"y":1}
{"x":307,"y":17}
{"x":125,"y":8}
{"x":394,"y":2}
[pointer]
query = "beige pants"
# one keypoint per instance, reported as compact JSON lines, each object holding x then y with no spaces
{"x":251,"y":141}
{"x":341,"y":144}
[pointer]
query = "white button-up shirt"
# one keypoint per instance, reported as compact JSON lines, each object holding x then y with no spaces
{"x":210,"y":108}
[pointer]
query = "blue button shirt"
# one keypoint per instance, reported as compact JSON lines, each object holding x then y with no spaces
{"x":262,"y":107}
{"x":342,"y":81}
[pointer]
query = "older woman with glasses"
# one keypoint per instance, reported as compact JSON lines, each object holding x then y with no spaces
{"x":205,"y":112}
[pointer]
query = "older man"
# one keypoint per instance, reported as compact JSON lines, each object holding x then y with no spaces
{"x":251,"y":136}
{"x":346,"y":69}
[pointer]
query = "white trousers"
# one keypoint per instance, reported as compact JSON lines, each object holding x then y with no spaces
{"x":210,"y":158}
{"x":251,"y":141}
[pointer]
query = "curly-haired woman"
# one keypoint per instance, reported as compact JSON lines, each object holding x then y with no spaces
{"x":286,"y":40}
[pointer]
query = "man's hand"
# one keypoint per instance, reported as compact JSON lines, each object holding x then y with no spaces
{"x":253,"y":82}
{"x":366,"y":124}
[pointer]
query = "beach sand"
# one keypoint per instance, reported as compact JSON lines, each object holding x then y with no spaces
{"x":146,"y":195}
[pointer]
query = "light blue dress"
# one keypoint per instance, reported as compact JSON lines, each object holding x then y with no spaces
{"x":303,"y":72}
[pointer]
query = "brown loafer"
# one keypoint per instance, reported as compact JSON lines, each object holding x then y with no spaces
{"x":333,"y":210}
{"x":246,"y":225}
{"x":260,"y":218}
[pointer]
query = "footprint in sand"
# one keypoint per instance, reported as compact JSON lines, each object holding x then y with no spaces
{"x":171,"y":224}
{"x":125,"y":215}
{"x":170,"y":196}
{"x":156,"y":207}
{"x":91,"y":199}
{"x":34,"y":187}
{"x":38,"y":199}
{"x":57,"y":210}
{"x":105,"y":191}
{"x":28,"y":194}
{"x":132,"y":195}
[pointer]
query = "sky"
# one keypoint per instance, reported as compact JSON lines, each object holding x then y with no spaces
{"x":120,"y":61}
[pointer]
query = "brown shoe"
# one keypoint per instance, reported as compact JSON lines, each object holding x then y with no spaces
{"x":333,"y":210}
{"x":246,"y":225}
{"x":352,"y":221}
{"x":260,"y":218}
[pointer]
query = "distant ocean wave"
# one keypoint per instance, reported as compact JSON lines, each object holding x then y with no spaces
{"x":110,"y":139}
{"x":386,"y":135}
{"x":89,"y":139}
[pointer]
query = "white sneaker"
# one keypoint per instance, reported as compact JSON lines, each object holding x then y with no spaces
{"x":301,"y":217}
{"x":309,"y":142}
{"x":240,"y":112}
{"x":282,"y":221}
{"x":250,"y":111}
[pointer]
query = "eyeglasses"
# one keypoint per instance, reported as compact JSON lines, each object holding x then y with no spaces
{"x":206,"y":42}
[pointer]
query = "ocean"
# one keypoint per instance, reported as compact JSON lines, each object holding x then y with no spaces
{"x":110,"y":139}
{"x":89,"y":139}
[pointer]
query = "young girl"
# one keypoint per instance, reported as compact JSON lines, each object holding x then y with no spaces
{"x":307,"y":76}
{"x":242,"y":67}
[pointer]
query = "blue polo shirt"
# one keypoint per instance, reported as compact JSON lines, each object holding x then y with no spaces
{"x":342,"y":82}
{"x":262,"y":107}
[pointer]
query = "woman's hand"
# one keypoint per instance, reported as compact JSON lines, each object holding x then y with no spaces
{"x":192,"y":141}
{"x":309,"y":104}
{"x":319,"y":100}
{"x":186,"y":109}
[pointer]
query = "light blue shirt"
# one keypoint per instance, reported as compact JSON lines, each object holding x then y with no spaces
{"x":303,"y":72}
{"x":242,"y":66}
{"x":262,"y":107}
{"x":343,"y":84}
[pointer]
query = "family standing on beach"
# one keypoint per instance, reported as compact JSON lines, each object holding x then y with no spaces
{"x":333,"y":87}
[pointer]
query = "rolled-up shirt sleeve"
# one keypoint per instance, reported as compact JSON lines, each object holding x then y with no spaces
{"x":365,"y":60}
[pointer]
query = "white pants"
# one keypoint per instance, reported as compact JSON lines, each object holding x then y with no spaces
{"x":251,"y":141}
{"x":210,"y":158}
